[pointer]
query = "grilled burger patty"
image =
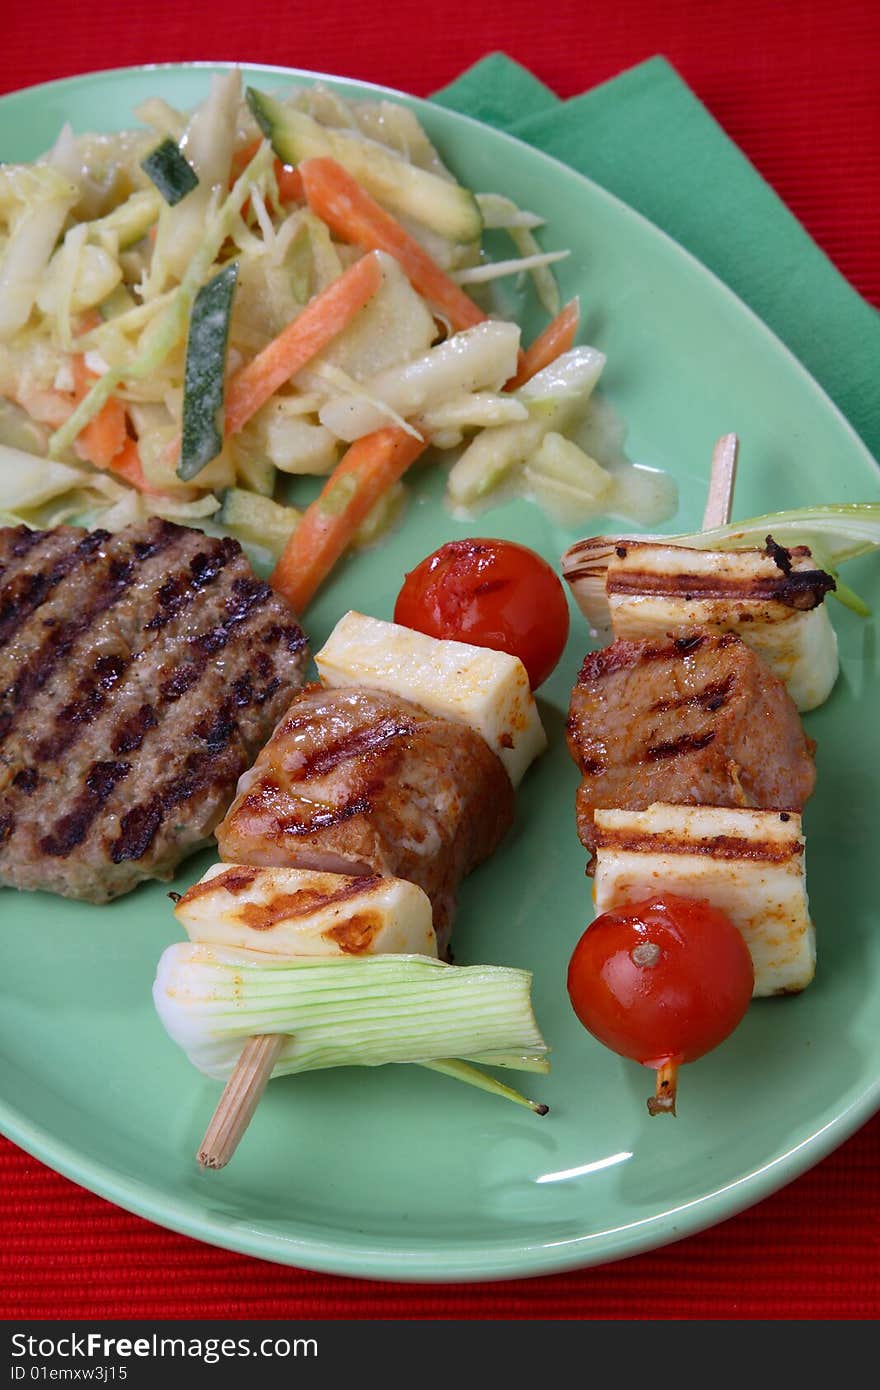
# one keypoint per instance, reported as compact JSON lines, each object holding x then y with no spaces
{"x":697,"y":720}
{"x":139,"y":675}
{"x":359,"y":781}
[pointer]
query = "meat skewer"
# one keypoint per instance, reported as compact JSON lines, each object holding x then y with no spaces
{"x":360,"y":781}
{"x":692,"y":717}
{"x":694,"y":770}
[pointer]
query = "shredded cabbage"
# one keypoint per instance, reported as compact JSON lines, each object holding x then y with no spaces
{"x":96,"y":266}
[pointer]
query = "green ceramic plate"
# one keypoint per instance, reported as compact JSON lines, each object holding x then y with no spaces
{"x":396,"y":1173}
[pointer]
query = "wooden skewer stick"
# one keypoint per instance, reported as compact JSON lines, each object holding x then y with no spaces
{"x":662,"y":1102}
{"x":719,"y":502}
{"x":239,"y":1100}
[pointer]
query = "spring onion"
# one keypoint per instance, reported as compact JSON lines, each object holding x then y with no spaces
{"x":339,"y":1011}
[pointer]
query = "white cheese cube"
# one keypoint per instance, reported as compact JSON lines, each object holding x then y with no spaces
{"x":470,"y":685}
{"x":300,"y":912}
{"x":748,"y":863}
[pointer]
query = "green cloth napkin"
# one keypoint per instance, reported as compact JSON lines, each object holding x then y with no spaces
{"x":646,"y":138}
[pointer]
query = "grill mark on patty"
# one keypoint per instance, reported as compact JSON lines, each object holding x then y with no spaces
{"x":248,"y":599}
{"x":217,"y":729}
{"x":25,"y":540}
{"x":673,"y":748}
{"x":290,"y":634}
{"x":717,"y":846}
{"x":61,"y":637}
{"x":128,"y":736}
{"x":179,"y":682}
{"x":358,"y":743}
{"x":71,"y":830}
{"x":139,"y":826}
{"x":18,"y":543}
{"x":26,"y":591}
{"x":179,"y":590}
{"x":129,"y":733}
{"x":247,"y":594}
{"x":90,"y":697}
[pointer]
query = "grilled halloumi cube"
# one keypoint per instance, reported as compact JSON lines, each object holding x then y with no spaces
{"x":486,"y":689}
{"x":301,"y":912}
{"x":748,"y":863}
{"x":772,"y":599}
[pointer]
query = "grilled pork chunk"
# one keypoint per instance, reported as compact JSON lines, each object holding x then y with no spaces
{"x":139,"y":674}
{"x":693,"y":720}
{"x":357,"y":781}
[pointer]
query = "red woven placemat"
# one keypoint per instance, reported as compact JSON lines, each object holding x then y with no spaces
{"x":810,"y":1251}
{"x":795,"y":85}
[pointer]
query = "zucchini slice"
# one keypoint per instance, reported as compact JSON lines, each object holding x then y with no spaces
{"x":173,"y":175}
{"x":204,"y":376}
{"x":445,"y":207}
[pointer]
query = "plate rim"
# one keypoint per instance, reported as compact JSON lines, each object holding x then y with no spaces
{"x":508,"y":1258}
{"x":503,"y":1260}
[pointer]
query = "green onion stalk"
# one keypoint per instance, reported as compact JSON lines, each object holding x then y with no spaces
{"x":334,"y":1012}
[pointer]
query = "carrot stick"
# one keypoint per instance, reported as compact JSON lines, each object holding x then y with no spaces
{"x":105,"y":441}
{"x":314,"y":329}
{"x":105,"y":435}
{"x":368,"y":469}
{"x":127,"y":464}
{"x":290,"y":184}
{"x":557,"y":338}
{"x":242,"y":158}
{"x":352,"y":215}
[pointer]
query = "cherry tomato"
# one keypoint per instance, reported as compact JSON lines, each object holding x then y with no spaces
{"x":662,"y":981}
{"x":490,"y":593}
